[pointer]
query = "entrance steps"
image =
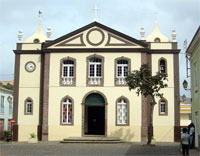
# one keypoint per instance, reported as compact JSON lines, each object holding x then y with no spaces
{"x":92,"y":139}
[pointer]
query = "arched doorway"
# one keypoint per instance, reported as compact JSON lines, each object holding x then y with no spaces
{"x":94,"y":114}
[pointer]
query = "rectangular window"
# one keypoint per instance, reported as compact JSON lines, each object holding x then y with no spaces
{"x":65,"y":71}
{"x":162,"y":107}
{"x":10,"y":107}
{"x":2,"y":104}
{"x":98,"y":70}
{"x":91,"y":70}
{"x":119,"y":71}
{"x":71,"y":71}
{"x":126,"y":71}
{"x":29,"y":107}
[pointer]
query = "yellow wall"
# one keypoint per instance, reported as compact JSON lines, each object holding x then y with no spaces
{"x":29,"y":86}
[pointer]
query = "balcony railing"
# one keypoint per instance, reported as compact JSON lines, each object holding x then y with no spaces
{"x":121,"y":81}
{"x":94,"y":80}
{"x":67,"y":80}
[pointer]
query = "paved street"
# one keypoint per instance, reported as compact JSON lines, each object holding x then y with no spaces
{"x":58,"y":149}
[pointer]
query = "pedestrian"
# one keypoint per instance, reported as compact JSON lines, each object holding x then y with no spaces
{"x":191,"y":132}
{"x":185,"y":142}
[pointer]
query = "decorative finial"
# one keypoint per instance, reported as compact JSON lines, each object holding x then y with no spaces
{"x":95,"y":14}
{"x":142,"y":33}
{"x":173,"y":35}
{"x":48,"y":33}
{"x":40,"y":16}
{"x":20,"y":36}
{"x":156,"y":15}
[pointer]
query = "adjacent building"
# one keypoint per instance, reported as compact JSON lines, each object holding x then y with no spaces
{"x":193,"y":51}
{"x":185,"y":112}
{"x":75,"y":85}
{"x":6,"y":110}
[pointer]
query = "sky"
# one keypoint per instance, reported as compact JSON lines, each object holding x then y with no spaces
{"x":126,"y":16}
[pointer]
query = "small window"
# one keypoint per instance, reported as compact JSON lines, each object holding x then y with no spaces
{"x":122,"y":111}
{"x":67,"y":111}
{"x":162,"y":64}
{"x":163,"y":107}
{"x":28,"y":106}
{"x":36,"y":40}
{"x":157,"y":39}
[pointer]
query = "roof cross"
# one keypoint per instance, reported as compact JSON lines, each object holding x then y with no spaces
{"x":95,"y":14}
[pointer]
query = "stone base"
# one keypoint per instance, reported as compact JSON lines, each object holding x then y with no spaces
{"x":32,"y":140}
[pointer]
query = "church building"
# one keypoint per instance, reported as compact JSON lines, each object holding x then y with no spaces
{"x":74,"y":86}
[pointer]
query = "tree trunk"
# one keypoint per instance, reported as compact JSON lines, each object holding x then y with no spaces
{"x":150,"y":126}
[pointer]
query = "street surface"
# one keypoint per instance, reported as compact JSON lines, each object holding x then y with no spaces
{"x":59,"y":149}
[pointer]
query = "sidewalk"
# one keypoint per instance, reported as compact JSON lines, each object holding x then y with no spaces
{"x":59,"y":149}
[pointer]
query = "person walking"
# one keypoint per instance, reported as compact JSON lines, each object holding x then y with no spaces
{"x":185,"y":142}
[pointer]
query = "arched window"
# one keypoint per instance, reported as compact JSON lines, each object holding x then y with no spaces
{"x":157,"y":39}
{"x":36,"y":40}
{"x":95,"y":70}
{"x":163,"y":107}
{"x":68,"y":71}
{"x":122,"y":113}
{"x":28,"y":108}
{"x":162,"y":63}
{"x":67,"y":111}
{"x":122,"y":67}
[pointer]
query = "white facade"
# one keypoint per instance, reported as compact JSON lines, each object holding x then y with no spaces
{"x":6,"y":108}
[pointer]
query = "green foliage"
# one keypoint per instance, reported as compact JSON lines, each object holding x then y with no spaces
{"x":33,"y":135}
{"x":7,"y":135}
{"x":8,"y":86}
{"x":145,"y":83}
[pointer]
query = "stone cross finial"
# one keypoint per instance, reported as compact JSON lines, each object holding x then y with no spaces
{"x":95,"y":14}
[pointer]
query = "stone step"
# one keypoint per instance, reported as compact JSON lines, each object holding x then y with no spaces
{"x":91,"y":139}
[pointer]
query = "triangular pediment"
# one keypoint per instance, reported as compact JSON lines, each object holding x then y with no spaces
{"x":95,"y":35}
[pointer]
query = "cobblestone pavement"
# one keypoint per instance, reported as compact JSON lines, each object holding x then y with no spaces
{"x":59,"y":149}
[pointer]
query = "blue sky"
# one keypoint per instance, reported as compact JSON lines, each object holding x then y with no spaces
{"x":126,"y":16}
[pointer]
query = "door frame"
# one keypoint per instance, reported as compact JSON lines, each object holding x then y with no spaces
{"x":83,"y":111}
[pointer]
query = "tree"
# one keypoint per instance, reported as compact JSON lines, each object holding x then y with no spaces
{"x":147,"y":85}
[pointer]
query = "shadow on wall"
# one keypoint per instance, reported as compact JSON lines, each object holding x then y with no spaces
{"x":123,"y":134}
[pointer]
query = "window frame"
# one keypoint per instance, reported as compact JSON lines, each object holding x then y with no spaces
{"x":162,"y":58}
{"x":88,"y":71}
{"x":166,"y":107}
{"x":116,"y":69}
{"x":61,"y":111}
{"x":25,"y":106}
{"x":61,"y":71}
{"x":128,"y":111}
